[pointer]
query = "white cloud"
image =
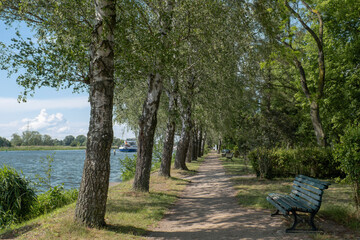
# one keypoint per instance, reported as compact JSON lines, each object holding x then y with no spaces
{"x":11,"y":105}
{"x":44,"y":122}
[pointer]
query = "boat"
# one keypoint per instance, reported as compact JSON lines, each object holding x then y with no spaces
{"x":129,"y":145}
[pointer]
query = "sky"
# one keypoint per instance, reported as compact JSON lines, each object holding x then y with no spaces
{"x":56,"y":113}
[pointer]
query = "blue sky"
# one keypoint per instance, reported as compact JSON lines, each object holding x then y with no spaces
{"x":56,"y":113}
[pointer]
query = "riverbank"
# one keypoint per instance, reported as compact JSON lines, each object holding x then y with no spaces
{"x":129,"y":214}
{"x":43,"y":148}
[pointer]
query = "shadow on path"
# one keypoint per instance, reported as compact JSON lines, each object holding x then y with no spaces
{"x":208,"y":209}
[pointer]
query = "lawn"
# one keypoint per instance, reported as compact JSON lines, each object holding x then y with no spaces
{"x":129,"y":214}
{"x":251,"y":192}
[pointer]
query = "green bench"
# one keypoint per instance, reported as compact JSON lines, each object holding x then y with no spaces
{"x":229,"y":155}
{"x":306,"y":197}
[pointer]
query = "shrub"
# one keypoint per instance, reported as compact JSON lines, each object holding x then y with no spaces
{"x":55,"y":197}
{"x":315,"y":162}
{"x":128,"y":167}
{"x":347,"y":153}
{"x":16,"y":196}
{"x":261,"y":161}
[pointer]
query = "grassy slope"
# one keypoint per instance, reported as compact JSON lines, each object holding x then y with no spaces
{"x":129,"y":214}
{"x":337,"y":200}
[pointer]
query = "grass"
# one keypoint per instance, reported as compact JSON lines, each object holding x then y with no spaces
{"x":129,"y":214}
{"x":337,"y":201}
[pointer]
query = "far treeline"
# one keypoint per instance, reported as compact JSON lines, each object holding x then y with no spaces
{"x":244,"y":75}
{"x":34,"y":138}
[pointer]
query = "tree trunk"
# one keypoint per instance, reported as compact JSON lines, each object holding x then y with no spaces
{"x":169,"y":138}
{"x":219,"y":147}
{"x":314,"y":107}
{"x":203,"y":145}
{"x":91,"y":204}
{"x":200,"y":142}
{"x":316,"y":121}
{"x":194,"y":145}
{"x":147,"y":125}
{"x":189,"y":152}
{"x":183,"y":144}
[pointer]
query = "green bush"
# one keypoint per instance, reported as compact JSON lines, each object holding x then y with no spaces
{"x":55,"y":197}
{"x":128,"y":167}
{"x":347,"y":154}
{"x":16,"y":196}
{"x":262,"y":162}
{"x":315,"y":162}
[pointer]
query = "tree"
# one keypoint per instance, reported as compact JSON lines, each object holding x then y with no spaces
{"x":296,"y":25}
{"x":16,"y":140}
{"x":148,"y":119}
{"x":75,"y":48}
{"x":91,"y":204}
{"x":68,"y":140}
{"x":47,"y":140}
{"x":81,"y":140}
{"x":4,"y":142}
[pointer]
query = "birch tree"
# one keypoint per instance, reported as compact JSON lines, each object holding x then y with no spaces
{"x":75,"y":47}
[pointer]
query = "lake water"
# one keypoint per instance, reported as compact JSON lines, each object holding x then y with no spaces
{"x":67,"y":165}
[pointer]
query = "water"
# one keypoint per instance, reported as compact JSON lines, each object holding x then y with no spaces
{"x":67,"y":165}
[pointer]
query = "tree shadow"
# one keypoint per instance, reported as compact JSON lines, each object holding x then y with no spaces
{"x":12,"y":234}
{"x":125,"y":229}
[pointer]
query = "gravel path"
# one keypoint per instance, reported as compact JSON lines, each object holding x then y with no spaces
{"x":208,"y":210}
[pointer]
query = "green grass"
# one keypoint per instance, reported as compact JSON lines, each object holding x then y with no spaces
{"x":129,"y":214}
{"x":337,"y":201}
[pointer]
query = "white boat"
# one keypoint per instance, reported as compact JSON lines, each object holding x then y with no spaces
{"x":129,"y":145}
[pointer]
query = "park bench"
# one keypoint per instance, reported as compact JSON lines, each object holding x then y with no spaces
{"x":306,"y":197}
{"x":229,"y":155}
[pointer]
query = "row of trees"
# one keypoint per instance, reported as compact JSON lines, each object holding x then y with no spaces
{"x":248,"y":73}
{"x":34,"y":138}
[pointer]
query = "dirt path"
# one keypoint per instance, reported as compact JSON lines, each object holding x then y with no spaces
{"x":208,"y":210}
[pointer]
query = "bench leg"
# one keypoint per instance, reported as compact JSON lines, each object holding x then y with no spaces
{"x":296,"y":221}
{"x":311,"y":222}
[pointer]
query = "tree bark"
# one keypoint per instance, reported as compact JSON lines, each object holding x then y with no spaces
{"x":183,"y":143}
{"x":200,"y":142}
{"x":165,"y":166}
{"x":194,"y":144}
{"x":91,"y":204}
{"x":316,"y":121}
{"x":314,"y":107}
{"x":190,"y":148}
{"x":147,"y":125}
{"x":203,"y":144}
{"x":219,"y":147}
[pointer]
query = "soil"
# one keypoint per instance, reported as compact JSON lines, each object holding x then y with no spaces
{"x":208,"y":209}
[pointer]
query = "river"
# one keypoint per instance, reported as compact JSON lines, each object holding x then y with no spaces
{"x":67,"y":165}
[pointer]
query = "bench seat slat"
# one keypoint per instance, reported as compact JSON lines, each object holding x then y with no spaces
{"x":278,"y":207}
{"x":307,"y":204}
{"x":290,"y":203}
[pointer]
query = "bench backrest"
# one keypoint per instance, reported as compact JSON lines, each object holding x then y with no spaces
{"x":229,"y":155}
{"x":309,"y":191}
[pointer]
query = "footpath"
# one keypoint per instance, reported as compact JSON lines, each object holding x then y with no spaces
{"x":208,"y":209}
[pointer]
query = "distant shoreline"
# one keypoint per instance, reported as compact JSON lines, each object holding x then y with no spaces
{"x":42,"y":148}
